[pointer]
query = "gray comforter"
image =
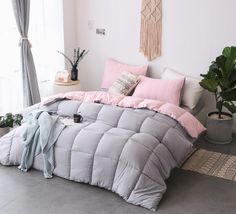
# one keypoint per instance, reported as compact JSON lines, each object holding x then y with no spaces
{"x":128,"y":151}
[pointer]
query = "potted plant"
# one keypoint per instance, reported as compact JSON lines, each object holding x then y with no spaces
{"x":78,"y":56}
{"x":8,"y":121}
{"x":221,"y":81}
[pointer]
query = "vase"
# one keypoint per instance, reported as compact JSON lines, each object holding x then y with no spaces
{"x":74,"y":74}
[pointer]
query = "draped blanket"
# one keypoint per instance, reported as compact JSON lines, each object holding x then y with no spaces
{"x":39,"y":136}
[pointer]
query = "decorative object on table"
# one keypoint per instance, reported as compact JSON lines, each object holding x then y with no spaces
{"x":49,"y":88}
{"x":78,"y":118}
{"x":70,"y":83}
{"x":150,"y":33}
{"x":8,"y":121}
{"x":63,"y":77}
{"x":78,"y":56}
{"x":221,"y":81}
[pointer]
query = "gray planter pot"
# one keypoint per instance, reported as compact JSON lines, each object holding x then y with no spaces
{"x":219,"y":131}
{"x":4,"y":131}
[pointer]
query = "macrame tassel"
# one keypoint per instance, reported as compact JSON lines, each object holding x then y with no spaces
{"x":150,"y":34}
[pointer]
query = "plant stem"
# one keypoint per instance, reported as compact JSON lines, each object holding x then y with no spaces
{"x":218,"y":106}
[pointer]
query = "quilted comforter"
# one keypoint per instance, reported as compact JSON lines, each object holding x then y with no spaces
{"x":126,"y":146}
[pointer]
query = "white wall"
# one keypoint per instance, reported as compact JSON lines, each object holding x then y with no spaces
{"x":194,"y":33}
{"x":70,"y":28}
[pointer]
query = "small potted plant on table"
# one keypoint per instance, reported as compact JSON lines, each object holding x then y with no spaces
{"x":221,"y":81}
{"x":8,"y":121}
{"x":78,"y":56}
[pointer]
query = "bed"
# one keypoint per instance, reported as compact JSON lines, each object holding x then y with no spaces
{"x":199,"y":111}
{"x":127,"y":145}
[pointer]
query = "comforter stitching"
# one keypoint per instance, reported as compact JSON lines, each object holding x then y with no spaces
{"x":153,"y":152}
{"x":131,"y":166}
{"x":118,"y":160}
{"x":70,"y":153}
{"x":92,"y":168}
{"x":141,"y":172}
{"x":168,"y":147}
{"x":145,"y":165}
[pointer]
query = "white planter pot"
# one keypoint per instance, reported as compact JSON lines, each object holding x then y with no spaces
{"x":219,"y":131}
{"x":4,"y":131}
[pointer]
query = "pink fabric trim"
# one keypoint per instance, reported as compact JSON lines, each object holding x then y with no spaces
{"x":187,"y":120}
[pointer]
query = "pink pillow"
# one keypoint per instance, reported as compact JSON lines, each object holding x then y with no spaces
{"x":114,"y":69}
{"x":158,"y":89}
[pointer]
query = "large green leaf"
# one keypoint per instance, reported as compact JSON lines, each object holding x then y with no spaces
{"x":221,"y":62}
{"x":212,"y":73}
{"x":230,"y":55}
{"x":221,"y":77}
{"x":231,"y":107}
{"x":232,"y":78}
{"x":224,"y":83}
{"x":230,"y":52}
{"x":209,"y":84}
{"x":215,"y":71}
{"x":229,"y":95}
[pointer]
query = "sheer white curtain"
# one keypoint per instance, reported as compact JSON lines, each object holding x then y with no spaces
{"x":10,"y":79}
{"x":46,"y":32}
{"x":46,"y":36}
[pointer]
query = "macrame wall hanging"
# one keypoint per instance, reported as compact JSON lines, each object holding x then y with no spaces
{"x":150,"y":35}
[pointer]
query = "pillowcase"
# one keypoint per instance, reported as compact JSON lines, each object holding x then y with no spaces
{"x":157,"y":89}
{"x":124,"y":84}
{"x":114,"y":69}
{"x":192,"y":91}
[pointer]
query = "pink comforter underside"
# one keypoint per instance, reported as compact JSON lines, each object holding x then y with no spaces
{"x":187,"y":120}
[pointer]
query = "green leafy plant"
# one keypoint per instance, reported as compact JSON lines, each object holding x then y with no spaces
{"x":78,"y":56}
{"x":9,"y":120}
{"x":221,"y":80}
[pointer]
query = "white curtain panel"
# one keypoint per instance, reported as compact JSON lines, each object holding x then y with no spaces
{"x":46,"y":35}
{"x":10,"y":76}
{"x":10,"y":94}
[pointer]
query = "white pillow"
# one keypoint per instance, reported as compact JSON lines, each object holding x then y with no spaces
{"x":192,"y":91}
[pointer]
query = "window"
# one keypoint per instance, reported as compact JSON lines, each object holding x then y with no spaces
{"x":10,"y":79}
{"x":46,"y":36}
